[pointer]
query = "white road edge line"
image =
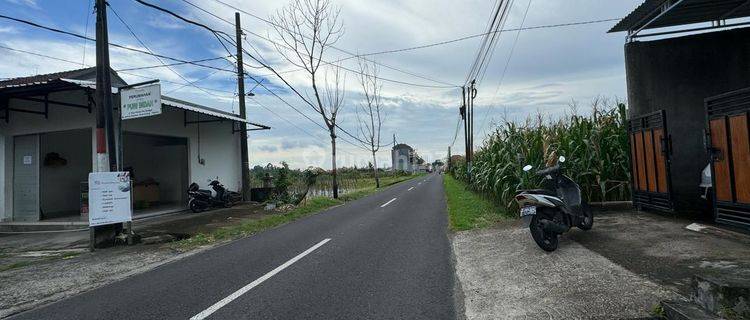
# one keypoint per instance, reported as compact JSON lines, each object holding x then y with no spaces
{"x":205,"y":313}
{"x":410,"y":189}
{"x":389,"y":202}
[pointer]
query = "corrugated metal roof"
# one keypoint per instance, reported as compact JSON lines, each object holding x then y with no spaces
{"x":77,"y":74}
{"x":177,"y":103}
{"x":684,"y":12}
{"x":60,"y":78}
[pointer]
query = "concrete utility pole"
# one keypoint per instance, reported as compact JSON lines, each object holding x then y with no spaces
{"x":104,"y":140}
{"x":448,"y":163}
{"x":465,"y":118}
{"x":243,"y":126}
{"x":105,"y":130}
{"x":470,"y":121}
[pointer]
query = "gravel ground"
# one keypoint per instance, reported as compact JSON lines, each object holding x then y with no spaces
{"x":46,"y":282}
{"x":504,"y":275}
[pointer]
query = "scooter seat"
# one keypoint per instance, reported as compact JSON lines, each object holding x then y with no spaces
{"x":206,"y":192}
{"x":541,"y":191}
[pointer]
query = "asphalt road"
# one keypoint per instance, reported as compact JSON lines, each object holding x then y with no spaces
{"x":375,"y":258}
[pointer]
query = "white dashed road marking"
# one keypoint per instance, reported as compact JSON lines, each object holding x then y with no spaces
{"x":387,"y":203}
{"x":245,"y":289}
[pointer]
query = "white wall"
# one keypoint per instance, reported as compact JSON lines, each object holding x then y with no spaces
{"x":216,"y":143}
{"x":60,"y":119}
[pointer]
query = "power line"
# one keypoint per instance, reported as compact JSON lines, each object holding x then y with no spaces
{"x":119,"y":46}
{"x":188,"y":82}
{"x":86,"y":30}
{"x":352,"y":55}
{"x":219,"y":35}
{"x":455,"y":135}
{"x":277,"y":74}
{"x":505,"y":69}
{"x":444,"y":42}
{"x":163,"y":65}
{"x":78,"y":63}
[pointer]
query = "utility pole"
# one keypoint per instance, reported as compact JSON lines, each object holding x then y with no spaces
{"x":243,"y":126}
{"x":464,"y":117}
{"x":448,"y":162}
{"x":105,"y":131}
{"x":104,"y":140}
{"x":470,"y":145}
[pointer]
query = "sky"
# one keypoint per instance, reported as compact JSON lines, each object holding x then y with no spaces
{"x":549,"y":68}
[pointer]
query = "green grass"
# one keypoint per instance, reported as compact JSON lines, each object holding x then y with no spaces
{"x":468,"y":210}
{"x":250,"y":227}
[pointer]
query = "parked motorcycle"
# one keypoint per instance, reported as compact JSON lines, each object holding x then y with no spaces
{"x":552,"y":211}
{"x":217,"y":197}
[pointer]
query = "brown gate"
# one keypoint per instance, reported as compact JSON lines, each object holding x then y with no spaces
{"x":649,"y":151}
{"x":728,"y":143}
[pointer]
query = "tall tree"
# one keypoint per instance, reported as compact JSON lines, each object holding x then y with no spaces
{"x":369,"y":113}
{"x":306,"y":29}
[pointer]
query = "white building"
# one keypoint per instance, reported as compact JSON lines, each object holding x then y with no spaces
{"x":401,"y":157}
{"x":48,"y":147}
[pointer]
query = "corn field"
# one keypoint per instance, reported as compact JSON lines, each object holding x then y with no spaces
{"x":595,"y":147}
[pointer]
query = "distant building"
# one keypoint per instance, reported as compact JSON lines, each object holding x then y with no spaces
{"x":401,"y":157}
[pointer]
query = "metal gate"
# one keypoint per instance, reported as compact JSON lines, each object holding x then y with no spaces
{"x":728,"y":144}
{"x":26,"y":178}
{"x":650,"y":149}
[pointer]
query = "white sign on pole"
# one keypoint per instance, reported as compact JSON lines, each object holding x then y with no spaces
{"x":109,"y":198}
{"x":140,"y":102}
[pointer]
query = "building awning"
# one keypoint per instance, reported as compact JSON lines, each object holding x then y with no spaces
{"x":670,"y":13}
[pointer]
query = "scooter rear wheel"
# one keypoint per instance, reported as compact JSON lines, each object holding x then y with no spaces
{"x":195,"y":207}
{"x":548,"y":241}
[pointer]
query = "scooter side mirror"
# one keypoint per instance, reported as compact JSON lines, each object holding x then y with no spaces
{"x":561,"y":159}
{"x":527,"y":168}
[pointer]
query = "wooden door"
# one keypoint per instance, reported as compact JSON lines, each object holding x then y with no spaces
{"x":728,"y":142}
{"x":649,"y":152}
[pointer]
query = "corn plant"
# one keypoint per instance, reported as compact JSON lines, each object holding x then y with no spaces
{"x":595,"y":147}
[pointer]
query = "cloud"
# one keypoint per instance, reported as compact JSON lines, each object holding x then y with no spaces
{"x":8,"y":29}
{"x":549,"y":67}
{"x":29,"y":3}
{"x":268,"y":148}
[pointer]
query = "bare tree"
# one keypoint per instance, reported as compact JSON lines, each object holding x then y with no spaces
{"x":371,"y":121}
{"x":307,"y":28}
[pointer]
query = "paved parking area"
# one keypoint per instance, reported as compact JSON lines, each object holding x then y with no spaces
{"x":504,"y":275}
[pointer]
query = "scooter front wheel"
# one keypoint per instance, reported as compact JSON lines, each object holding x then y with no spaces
{"x":548,"y":241}
{"x":586,"y":222}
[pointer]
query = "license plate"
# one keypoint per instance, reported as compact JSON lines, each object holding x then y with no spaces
{"x":528,"y":211}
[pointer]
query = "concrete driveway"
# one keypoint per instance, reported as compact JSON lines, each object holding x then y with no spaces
{"x":504,"y":275}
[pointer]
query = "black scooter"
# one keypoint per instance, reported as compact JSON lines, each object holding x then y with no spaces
{"x":552,"y":211}
{"x":218,"y":197}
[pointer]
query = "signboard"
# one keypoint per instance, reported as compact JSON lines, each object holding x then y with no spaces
{"x":109,"y":198}
{"x":140,"y":102}
{"x":27,"y":159}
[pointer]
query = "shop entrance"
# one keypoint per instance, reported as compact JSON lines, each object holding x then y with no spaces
{"x":159,"y":167}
